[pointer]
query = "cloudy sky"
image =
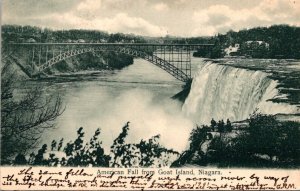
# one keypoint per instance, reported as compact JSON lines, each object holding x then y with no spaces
{"x":152,"y":17}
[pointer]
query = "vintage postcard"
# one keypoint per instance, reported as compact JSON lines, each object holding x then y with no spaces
{"x":150,"y":95}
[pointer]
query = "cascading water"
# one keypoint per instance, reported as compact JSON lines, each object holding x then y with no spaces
{"x":225,"y":92}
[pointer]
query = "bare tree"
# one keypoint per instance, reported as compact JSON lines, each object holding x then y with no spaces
{"x":23,"y":118}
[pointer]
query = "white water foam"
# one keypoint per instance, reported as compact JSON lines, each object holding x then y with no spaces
{"x":225,"y":92}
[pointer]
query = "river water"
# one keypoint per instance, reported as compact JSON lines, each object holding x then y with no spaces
{"x":140,"y":94}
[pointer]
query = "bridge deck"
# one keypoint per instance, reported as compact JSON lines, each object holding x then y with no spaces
{"x":173,"y":58}
{"x":152,"y":45}
{"x":136,"y":44}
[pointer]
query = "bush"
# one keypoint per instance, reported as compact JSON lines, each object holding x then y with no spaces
{"x":266,"y":142}
{"x":147,"y":153}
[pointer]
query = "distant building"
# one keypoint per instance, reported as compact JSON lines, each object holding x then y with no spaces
{"x":232,"y":50}
{"x":257,"y":43}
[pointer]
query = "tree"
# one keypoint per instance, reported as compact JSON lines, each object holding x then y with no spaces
{"x":290,"y":144}
{"x":219,"y":150}
{"x":265,"y":133}
{"x":147,"y":153}
{"x":150,"y":150}
{"x":194,"y":154}
{"x":80,"y":154}
{"x":119,"y":152}
{"x":23,"y":119}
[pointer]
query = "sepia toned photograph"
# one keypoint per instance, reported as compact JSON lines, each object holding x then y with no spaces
{"x":95,"y":89}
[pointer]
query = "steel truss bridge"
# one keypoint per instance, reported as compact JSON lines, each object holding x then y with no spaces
{"x":173,"y":58}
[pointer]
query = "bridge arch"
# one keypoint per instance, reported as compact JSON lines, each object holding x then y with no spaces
{"x":161,"y":63}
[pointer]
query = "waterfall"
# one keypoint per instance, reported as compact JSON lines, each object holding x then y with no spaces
{"x":225,"y":92}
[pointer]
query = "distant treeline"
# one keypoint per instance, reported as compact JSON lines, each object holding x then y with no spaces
{"x":89,"y":61}
{"x":278,"y":41}
{"x":16,"y":33}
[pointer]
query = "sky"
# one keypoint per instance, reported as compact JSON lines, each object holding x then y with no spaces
{"x":185,"y":18}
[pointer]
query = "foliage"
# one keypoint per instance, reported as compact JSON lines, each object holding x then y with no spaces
{"x":24,"y":118}
{"x":16,"y":33}
{"x":265,"y":135}
{"x":278,"y":140}
{"x":118,"y":148}
{"x":87,"y":61}
{"x":194,"y":154}
{"x":283,"y":40}
{"x":91,"y":153}
{"x":265,"y":142}
{"x":278,"y":41}
{"x":198,"y":137}
{"x":147,"y":153}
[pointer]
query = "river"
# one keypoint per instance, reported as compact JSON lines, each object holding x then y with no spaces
{"x":140,"y":94}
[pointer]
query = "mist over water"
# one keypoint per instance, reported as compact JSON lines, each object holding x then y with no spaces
{"x":141,"y":94}
{"x":147,"y":117}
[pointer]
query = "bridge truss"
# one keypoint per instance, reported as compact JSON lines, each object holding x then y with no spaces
{"x":173,"y":58}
